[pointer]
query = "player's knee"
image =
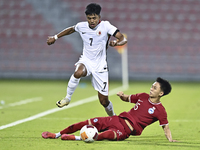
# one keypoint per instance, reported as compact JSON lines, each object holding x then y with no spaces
{"x":109,"y":135}
{"x":78,"y":74}
{"x":80,"y":71}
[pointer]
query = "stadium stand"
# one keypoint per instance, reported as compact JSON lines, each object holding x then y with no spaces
{"x":163,"y":37}
{"x":24,"y":52}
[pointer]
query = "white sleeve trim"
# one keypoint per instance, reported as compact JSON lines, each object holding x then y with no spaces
{"x":164,"y":124}
{"x":129,"y":98}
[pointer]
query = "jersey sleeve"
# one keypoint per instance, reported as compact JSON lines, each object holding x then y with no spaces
{"x":133,"y":98}
{"x":163,"y":117}
{"x":77,"y":27}
{"x":110,"y":28}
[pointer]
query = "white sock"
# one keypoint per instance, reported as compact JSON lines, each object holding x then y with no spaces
{"x":72,"y":84}
{"x":58,"y":135}
{"x":109,"y":109}
{"x":78,"y":138}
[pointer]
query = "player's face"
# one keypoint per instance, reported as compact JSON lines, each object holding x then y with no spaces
{"x":93,"y":20}
{"x":155,"y":90}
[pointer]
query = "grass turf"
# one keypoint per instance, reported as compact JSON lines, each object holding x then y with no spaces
{"x":182,"y":106}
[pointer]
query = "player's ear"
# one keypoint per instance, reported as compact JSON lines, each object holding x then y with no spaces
{"x":161,"y":93}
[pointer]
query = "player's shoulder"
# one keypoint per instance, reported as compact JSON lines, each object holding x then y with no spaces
{"x":161,"y":106}
{"x":141,"y":96}
{"x":161,"y":109}
{"x":145,"y":95}
{"x":83,"y":23}
{"x":81,"y":26}
{"x":105,"y":22}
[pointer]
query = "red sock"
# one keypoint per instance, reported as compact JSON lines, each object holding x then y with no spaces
{"x":109,"y":135}
{"x":74,"y":127}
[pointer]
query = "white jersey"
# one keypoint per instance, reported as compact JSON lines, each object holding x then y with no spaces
{"x":95,"y":42}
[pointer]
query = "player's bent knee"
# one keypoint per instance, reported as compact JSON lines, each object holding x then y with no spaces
{"x":80,"y":71}
{"x":78,"y":74}
{"x":108,"y":135}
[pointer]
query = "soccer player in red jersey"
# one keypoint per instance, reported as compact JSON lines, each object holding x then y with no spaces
{"x":147,"y":110}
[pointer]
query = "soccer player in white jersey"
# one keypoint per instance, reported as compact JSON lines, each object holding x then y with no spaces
{"x":95,"y":35}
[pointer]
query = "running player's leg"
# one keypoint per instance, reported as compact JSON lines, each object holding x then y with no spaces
{"x":80,"y":71}
{"x":107,"y":104}
{"x":100,"y":83}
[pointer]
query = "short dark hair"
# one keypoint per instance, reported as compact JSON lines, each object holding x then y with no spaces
{"x":164,"y":85}
{"x":93,"y":8}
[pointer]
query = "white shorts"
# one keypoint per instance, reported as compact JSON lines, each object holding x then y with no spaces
{"x":99,"y":79}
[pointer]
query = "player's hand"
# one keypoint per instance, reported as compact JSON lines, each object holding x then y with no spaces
{"x":174,"y":141}
{"x":50,"y":40}
{"x":113,"y":43}
{"x":120,"y":93}
{"x":123,"y":96}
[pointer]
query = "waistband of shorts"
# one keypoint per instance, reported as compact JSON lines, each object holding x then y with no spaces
{"x":126,"y":127}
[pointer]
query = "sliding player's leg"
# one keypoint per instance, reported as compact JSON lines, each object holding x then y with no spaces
{"x":70,"y":129}
{"x":100,"y":123}
{"x":107,"y":135}
{"x":111,"y":128}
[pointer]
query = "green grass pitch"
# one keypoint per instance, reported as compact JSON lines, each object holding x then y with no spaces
{"x":22,"y":99}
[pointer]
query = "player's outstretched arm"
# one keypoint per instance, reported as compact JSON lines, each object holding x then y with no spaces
{"x":123,"y":96}
{"x":121,"y":40}
{"x":67,"y":31}
{"x":168,"y":133}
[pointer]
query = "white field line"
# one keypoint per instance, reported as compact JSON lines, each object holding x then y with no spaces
{"x":80,"y":102}
{"x":22,"y":102}
{"x":185,"y":120}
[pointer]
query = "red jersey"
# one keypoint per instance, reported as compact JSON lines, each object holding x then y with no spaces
{"x":144,"y":113}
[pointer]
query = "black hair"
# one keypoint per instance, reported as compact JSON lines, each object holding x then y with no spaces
{"x":93,"y":8}
{"x":164,"y":85}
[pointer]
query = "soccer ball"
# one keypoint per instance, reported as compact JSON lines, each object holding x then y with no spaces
{"x":89,"y":133}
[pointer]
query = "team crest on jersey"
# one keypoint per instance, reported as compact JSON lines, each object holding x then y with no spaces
{"x":151,"y":110}
{"x":95,"y":120}
{"x":99,"y":32}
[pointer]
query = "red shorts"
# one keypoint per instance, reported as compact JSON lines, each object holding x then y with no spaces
{"x":110,"y":123}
